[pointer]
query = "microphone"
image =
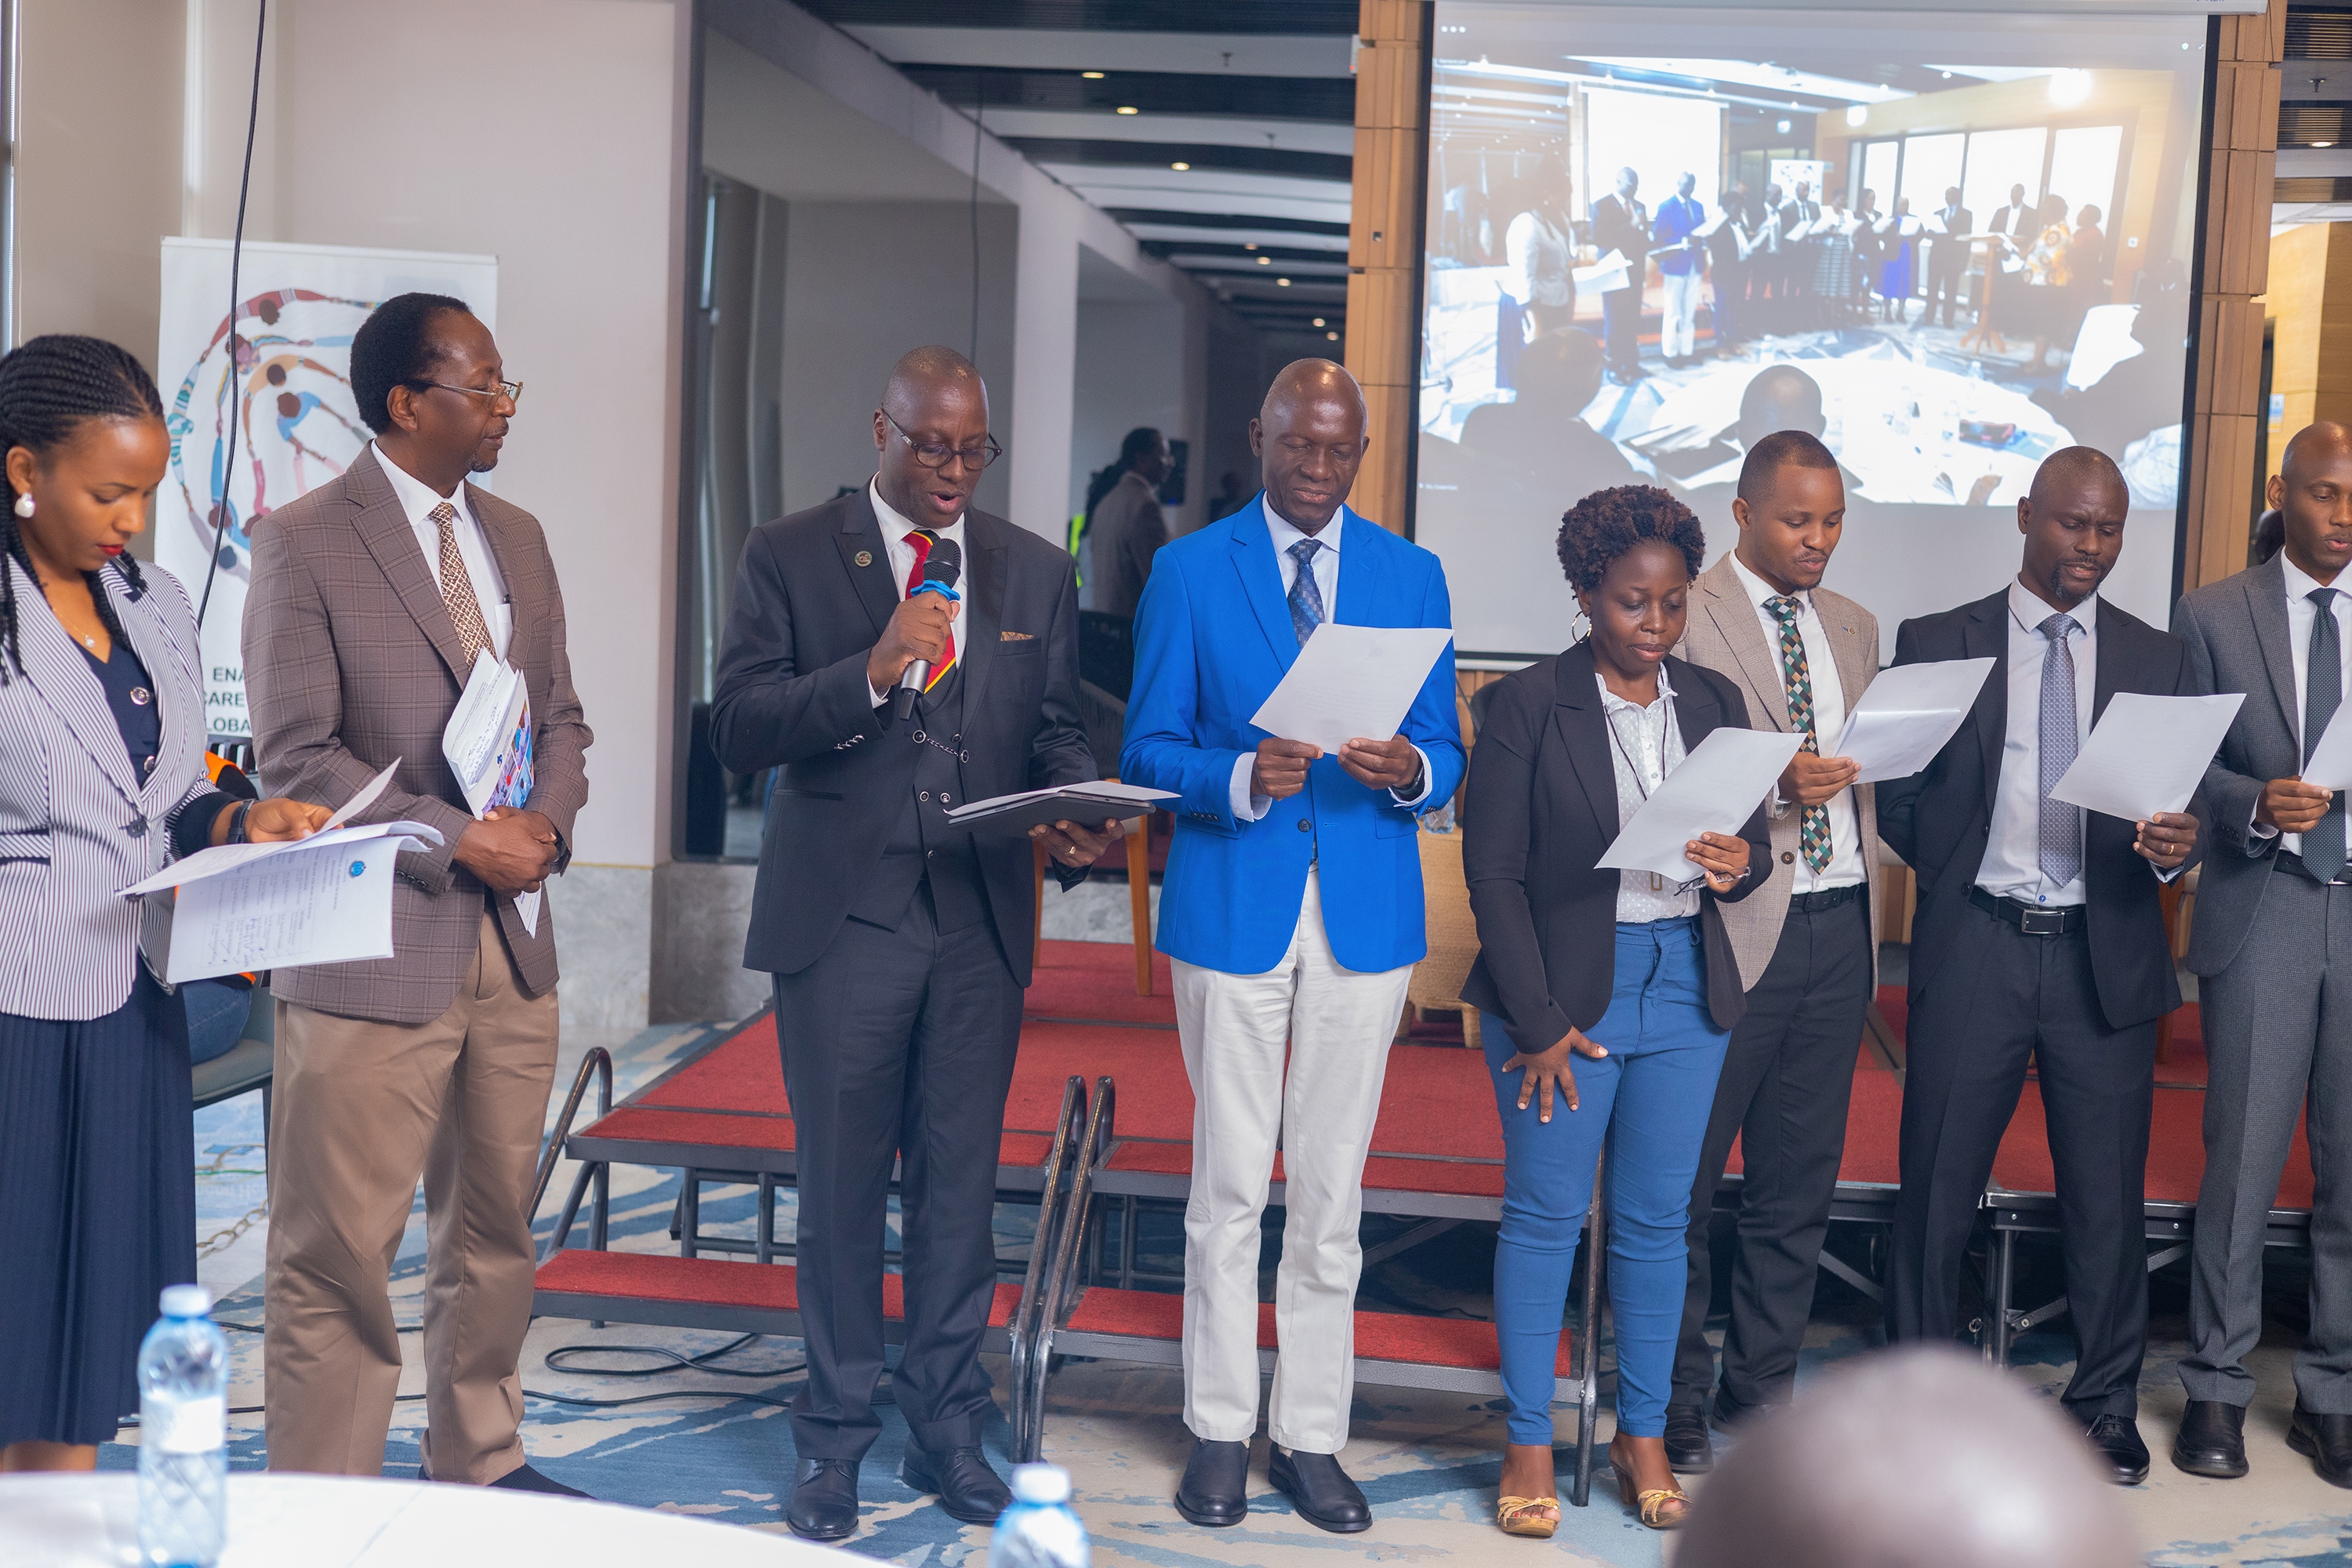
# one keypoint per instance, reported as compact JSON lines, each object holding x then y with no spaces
{"x":943,"y":565}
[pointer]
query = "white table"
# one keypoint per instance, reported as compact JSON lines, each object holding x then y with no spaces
{"x":318,"y":1521}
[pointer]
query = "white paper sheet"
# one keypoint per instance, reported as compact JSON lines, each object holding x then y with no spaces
{"x":224,"y":859}
{"x":317,"y":903}
{"x":1606,"y":276}
{"x":2331,"y":760}
{"x":2146,"y":754}
{"x":1352,"y":682}
{"x":1906,"y":715}
{"x":1713,"y":790}
{"x":488,"y":743}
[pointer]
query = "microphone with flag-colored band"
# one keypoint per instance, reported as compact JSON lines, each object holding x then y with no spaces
{"x":942,"y":567}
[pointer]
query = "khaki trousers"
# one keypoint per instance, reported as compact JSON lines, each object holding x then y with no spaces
{"x":361,"y":1111}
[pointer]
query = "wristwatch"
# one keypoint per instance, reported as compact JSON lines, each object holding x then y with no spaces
{"x":236,"y":823}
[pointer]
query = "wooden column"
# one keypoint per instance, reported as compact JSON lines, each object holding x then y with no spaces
{"x":2241,"y":173}
{"x":1384,"y":260}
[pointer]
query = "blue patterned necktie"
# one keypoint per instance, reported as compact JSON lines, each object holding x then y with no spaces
{"x":2062,"y":824}
{"x":1796,"y":675}
{"x":1306,"y":598}
{"x":2323,"y":693}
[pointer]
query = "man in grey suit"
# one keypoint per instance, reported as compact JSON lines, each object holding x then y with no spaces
{"x":1802,"y":656}
{"x":2273,"y":929}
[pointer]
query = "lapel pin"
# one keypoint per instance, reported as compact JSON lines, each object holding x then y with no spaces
{"x":864,"y":558}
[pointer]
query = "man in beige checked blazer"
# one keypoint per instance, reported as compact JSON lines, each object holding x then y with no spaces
{"x":1808,"y":955}
{"x":370,"y":596}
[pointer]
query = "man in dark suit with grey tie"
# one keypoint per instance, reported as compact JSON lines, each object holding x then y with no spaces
{"x":2038,"y":935}
{"x":899,"y":945}
{"x":2274,"y":930}
{"x":1947,"y":258}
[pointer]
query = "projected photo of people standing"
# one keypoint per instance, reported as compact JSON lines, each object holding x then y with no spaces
{"x":1947,"y":267}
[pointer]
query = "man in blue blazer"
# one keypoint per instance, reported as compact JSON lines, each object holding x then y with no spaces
{"x":1292,"y":914}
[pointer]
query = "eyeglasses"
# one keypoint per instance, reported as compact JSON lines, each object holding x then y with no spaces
{"x":935,"y":454}
{"x":510,"y":390}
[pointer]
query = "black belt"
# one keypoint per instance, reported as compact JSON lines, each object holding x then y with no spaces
{"x":2288,"y":860}
{"x":1825,"y":899}
{"x":2033,"y":920}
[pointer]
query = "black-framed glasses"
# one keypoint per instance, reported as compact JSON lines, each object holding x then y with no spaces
{"x":935,"y":454}
{"x":510,"y":390}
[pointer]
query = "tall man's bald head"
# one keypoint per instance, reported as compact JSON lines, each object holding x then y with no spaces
{"x":2313,"y":493}
{"x":934,"y":406}
{"x":2073,"y":520}
{"x":1310,"y":440}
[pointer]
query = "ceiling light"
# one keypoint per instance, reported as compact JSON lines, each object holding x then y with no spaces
{"x":1857,"y":114}
{"x":1179,"y":166}
{"x":1783,"y":128}
{"x":2323,"y":143}
{"x":1318,"y":320}
{"x":1126,"y":109}
{"x":1249,"y":245}
{"x":1097,"y":76}
{"x":1266,"y":261}
{"x":1331,"y":337}
{"x":1947,"y":76}
{"x":1281,"y":282}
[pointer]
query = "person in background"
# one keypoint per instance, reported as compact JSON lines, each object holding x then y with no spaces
{"x":1870,"y":249}
{"x":1834,"y":269}
{"x":1229,"y":498}
{"x":1947,"y":259}
{"x":1896,"y":251}
{"x":1292,"y":916}
{"x":1922,"y":1456}
{"x":1802,"y":656}
{"x":1622,"y":224}
{"x":373,"y":596}
{"x":1684,"y":267}
{"x":1539,"y":435}
{"x":2273,"y":933}
{"x":1731,"y":256}
{"x":101,"y":781}
{"x":1539,"y":246}
{"x":2039,"y":937}
{"x":1630,"y":971}
{"x":1800,"y":258}
{"x":2045,"y":303}
{"x":898,"y":946}
{"x":1124,"y":524}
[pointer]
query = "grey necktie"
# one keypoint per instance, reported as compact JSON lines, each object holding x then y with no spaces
{"x":1306,"y":597}
{"x":2062,"y":824}
{"x":2323,"y":691}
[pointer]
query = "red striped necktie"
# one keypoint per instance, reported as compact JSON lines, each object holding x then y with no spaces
{"x":920,"y":541}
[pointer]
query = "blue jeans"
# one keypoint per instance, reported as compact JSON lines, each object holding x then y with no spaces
{"x":1649,"y":1097}
{"x":217,"y":1016}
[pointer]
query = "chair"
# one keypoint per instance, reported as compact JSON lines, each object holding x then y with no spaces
{"x":249,"y":1065}
{"x":1437,"y":979}
{"x":1138,"y":899}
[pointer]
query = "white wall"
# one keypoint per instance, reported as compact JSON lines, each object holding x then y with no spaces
{"x":864,"y":282}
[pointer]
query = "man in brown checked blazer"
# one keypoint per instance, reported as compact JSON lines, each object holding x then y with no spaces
{"x":1802,"y":656}
{"x":371,"y":598}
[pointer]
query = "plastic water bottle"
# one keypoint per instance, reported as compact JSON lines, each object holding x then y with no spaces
{"x":182,"y":1434}
{"x":1039,"y":1531}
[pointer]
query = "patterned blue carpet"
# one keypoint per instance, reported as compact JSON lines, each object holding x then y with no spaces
{"x":1427,"y":1461}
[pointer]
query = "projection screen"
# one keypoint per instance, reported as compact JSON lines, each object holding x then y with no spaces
{"x":1989,"y":260}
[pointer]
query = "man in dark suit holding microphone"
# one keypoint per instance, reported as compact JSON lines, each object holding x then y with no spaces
{"x":899,"y":945}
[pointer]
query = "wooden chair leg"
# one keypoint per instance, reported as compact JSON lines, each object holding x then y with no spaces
{"x":1037,"y":937}
{"x":1139,"y":900}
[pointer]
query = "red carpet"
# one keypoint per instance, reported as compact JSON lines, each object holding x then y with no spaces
{"x":2184,"y":1067}
{"x":717,"y":1281}
{"x":1873,"y":1126}
{"x":1096,"y":980}
{"x":1379,"y":1336}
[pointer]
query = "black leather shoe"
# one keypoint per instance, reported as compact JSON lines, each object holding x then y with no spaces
{"x":969,"y":1490}
{"x":1729,"y":1412}
{"x":824,"y":1500}
{"x":1320,"y":1490}
{"x":2326,"y":1440}
{"x":2213,"y":1440}
{"x":2120,"y":1452}
{"x":1689,"y":1448}
{"x":1215,"y":1491}
{"x":523,"y":1479}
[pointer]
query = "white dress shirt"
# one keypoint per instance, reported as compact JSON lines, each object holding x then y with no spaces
{"x":1248,"y":805}
{"x":2300,"y":613}
{"x":1646,"y":745}
{"x":1846,"y":868}
{"x":417,"y":500}
{"x":901,"y":554}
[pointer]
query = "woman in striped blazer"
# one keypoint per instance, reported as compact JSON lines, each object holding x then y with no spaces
{"x":101,"y":779}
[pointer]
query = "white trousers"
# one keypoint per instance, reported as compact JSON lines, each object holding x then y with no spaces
{"x":1678,"y":334}
{"x":1337,"y":1024}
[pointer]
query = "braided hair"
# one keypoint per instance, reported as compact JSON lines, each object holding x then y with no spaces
{"x":48,"y":388}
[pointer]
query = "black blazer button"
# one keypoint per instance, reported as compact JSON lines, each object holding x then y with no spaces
{"x":1305,"y":826}
{"x":1787,"y":859}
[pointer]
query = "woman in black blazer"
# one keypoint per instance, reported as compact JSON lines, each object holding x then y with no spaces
{"x":1630,"y":971}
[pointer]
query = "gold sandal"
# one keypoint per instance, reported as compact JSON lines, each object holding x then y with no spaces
{"x":1526,"y":1516}
{"x":1652,"y":1504}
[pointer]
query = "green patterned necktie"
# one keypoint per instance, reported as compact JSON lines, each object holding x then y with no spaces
{"x":1813,"y":834}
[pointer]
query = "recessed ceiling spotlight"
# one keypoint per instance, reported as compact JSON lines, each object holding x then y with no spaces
{"x":1266,"y":261}
{"x":1331,"y":337}
{"x":1126,"y":109}
{"x":1249,"y":245}
{"x":2323,"y":143}
{"x":1783,"y":128}
{"x":1318,"y":320}
{"x":1281,"y":282}
{"x":1179,"y":166}
{"x":1857,"y":114}
{"x":1098,"y":76}
{"x":1947,"y":76}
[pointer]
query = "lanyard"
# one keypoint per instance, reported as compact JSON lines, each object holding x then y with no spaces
{"x":1658,"y":884}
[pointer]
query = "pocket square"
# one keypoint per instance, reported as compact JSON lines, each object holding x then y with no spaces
{"x":1015,"y":636}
